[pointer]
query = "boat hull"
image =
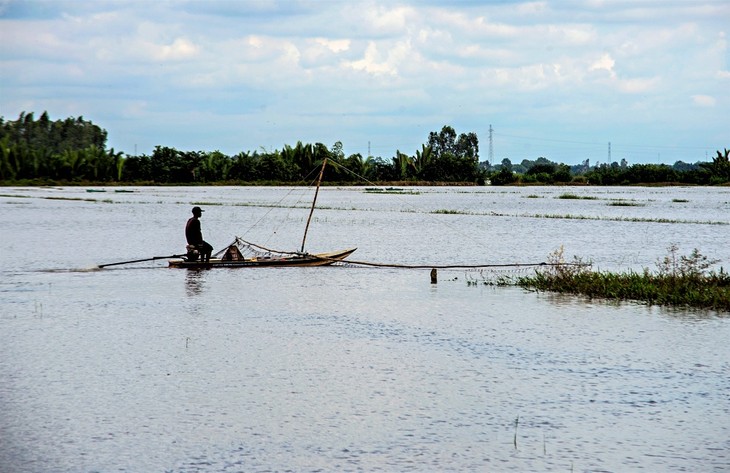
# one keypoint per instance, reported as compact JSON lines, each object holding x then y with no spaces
{"x":304,"y":260}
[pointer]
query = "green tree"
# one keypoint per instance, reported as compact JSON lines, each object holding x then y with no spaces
{"x":243,"y":167}
{"x":503,"y":177}
{"x":719,"y":168}
{"x":422,"y":162}
{"x":402,"y":163}
{"x":452,"y":158}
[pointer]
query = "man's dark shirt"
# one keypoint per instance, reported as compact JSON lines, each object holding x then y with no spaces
{"x":192,"y":231}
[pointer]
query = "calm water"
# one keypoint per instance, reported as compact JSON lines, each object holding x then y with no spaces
{"x":145,"y":368}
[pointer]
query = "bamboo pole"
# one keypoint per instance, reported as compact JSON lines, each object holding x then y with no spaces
{"x":314,"y":202}
{"x":140,"y":260}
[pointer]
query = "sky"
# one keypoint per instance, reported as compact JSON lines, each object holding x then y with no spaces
{"x":643,"y":80}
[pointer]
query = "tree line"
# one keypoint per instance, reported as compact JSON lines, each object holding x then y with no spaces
{"x":74,"y":150}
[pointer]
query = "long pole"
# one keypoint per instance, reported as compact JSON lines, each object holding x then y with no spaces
{"x":314,"y":202}
{"x":139,"y":260}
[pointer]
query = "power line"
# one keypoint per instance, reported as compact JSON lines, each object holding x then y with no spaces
{"x":491,"y":146}
{"x":593,"y":143}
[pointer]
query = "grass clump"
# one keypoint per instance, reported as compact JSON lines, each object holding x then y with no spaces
{"x":449,"y":212}
{"x":625,"y":203}
{"x":390,"y":190}
{"x":574,"y":196}
{"x":680,"y":281}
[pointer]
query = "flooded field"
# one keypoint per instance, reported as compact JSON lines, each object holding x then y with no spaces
{"x":144,"y":368}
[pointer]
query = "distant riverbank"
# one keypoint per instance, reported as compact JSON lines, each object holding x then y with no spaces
{"x":55,"y":183}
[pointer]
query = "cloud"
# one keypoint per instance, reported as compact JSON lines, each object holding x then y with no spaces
{"x":179,"y":49}
{"x":376,"y":62}
{"x":704,"y":100}
{"x":604,"y":63}
{"x":369,"y":70}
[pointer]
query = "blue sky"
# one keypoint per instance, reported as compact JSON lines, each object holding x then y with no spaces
{"x":559,"y":79}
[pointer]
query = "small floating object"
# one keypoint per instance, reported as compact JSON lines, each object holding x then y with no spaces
{"x":95,"y":190}
{"x":123,"y":190}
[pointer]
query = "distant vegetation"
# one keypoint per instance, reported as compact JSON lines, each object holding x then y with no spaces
{"x":73,"y":150}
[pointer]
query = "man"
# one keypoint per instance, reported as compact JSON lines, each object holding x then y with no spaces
{"x":195,"y":236}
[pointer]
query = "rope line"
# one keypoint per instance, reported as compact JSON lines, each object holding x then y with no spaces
{"x":449,"y":266}
{"x":304,"y":181}
{"x":249,"y":247}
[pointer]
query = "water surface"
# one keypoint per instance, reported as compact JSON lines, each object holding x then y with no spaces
{"x":145,"y":368}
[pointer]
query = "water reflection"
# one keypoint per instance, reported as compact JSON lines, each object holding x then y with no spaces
{"x":194,"y":282}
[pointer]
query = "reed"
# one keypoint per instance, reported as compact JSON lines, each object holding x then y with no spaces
{"x":206,"y":204}
{"x":625,"y":203}
{"x":574,"y":196}
{"x":450,"y":212}
{"x":390,"y":190}
{"x":681,"y":281}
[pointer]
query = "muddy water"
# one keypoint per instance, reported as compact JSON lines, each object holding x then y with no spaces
{"x":144,"y":368}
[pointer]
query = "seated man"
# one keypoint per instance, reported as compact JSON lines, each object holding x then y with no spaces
{"x":194,"y":235}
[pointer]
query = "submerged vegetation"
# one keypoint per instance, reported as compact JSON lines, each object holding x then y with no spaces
{"x":577,"y":197}
{"x":73,"y":151}
{"x":680,"y":281}
{"x":625,"y":203}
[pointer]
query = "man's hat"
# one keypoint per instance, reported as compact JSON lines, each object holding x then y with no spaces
{"x":197,"y":209}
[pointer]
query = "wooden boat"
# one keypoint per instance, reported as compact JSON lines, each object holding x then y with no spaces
{"x":286,"y":260}
{"x":244,"y":254}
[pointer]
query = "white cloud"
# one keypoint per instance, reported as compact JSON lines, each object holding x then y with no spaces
{"x":638,"y":85}
{"x":604,"y":63}
{"x":179,"y":49}
{"x":336,"y":45}
{"x":704,"y":100}
{"x":377,"y":63}
{"x":363,"y":70}
{"x":384,"y":19}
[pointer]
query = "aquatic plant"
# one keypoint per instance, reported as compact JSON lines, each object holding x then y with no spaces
{"x":390,"y":190}
{"x":205,"y":204}
{"x":450,"y":212}
{"x":625,"y":203}
{"x":574,"y":196}
{"x":683,"y":281}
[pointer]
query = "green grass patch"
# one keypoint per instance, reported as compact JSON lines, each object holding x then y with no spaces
{"x":574,"y":196}
{"x":681,"y":281}
{"x":625,"y":203}
{"x":449,"y":212}
{"x":389,"y":190}
{"x":70,"y":198}
{"x":710,"y":291}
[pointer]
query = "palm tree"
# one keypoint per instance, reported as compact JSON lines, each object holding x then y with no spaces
{"x":719,"y":167}
{"x":401,"y":163}
{"x":422,"y":161}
